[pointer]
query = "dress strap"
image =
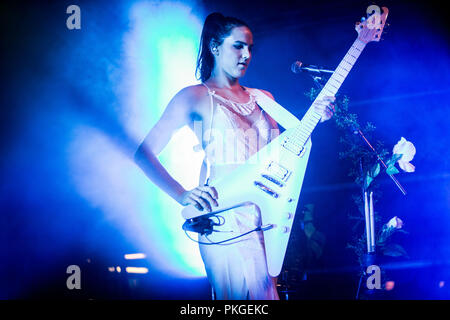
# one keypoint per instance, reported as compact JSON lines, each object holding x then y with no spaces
{"x":241,"y":108}
{"x":210,"y":92}
{"x":211,"y":104}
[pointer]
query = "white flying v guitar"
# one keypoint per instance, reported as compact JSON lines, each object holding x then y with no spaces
{"x":273,"y":182}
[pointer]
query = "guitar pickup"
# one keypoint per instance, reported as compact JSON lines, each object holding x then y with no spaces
{"x":293,"y":146}
{"x":266,"y":189}
{"x":278,"y":172}
{"x":273,"y":180}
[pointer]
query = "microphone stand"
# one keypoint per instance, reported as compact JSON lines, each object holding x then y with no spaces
{"x":369,"y":257}
{"x":318,"y":81}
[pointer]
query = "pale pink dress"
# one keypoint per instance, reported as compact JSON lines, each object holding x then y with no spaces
{"x":236,"y":269}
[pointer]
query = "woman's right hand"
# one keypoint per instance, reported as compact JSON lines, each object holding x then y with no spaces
{"x":203,"y":198}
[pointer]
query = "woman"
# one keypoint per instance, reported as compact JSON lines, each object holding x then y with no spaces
{"x":237,"y":269}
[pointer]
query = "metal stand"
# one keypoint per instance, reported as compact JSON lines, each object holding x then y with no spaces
{"x":370,"y":255}
{"x":369,"y":260}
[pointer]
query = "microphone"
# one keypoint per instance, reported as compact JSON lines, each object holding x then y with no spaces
{"x":298,"y":67}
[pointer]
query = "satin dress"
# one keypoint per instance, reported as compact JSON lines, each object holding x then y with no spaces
{"x":236,"y":270}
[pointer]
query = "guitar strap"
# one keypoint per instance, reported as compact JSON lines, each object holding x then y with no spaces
{"x":278,"y":113}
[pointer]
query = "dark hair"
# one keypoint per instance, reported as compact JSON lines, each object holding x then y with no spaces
{"x":215,"y":29}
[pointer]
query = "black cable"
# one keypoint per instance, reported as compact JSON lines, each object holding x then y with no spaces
{"x":226,"y":240}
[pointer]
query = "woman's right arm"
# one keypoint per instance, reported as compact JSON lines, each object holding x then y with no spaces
{"x":176,"y":115}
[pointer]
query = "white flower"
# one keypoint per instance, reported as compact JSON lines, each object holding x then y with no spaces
{"x":407,"y":149}
{"x":395,"y":223}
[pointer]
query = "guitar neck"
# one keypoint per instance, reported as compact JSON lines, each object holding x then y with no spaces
{"x":311,"y":117}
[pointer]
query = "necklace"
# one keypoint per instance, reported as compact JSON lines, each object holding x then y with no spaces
{"x":242,"y":108}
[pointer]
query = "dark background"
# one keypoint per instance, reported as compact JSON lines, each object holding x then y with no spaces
{"x":400,"y":84}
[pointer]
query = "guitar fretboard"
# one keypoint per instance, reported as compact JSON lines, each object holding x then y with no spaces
{"x":311,"y":118}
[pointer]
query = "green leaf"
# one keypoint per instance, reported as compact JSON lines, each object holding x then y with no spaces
{"x":375,"y":170}
{"x":368,"y":181}
{"x":371,"y":174}
{"x":395,"y":157}
{"x":394,"y":250}
{"x":392,"y":169}
{"x":385,"y":234}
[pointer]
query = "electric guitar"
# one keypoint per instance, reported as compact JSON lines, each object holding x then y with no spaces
{"x":272,"y":178}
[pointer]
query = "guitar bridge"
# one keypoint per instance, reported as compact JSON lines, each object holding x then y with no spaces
{"x":266,"y":189}
{"x":273,"y":180}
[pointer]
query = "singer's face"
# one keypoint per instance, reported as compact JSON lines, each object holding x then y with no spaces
{"x":235,"y":53}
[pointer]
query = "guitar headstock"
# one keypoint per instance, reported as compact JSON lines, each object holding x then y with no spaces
{"x":370,"y":29}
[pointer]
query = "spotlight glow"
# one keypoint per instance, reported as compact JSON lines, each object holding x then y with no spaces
{"x":134,"y":256}
{"x":389,"y":285}
{"x":160,"y":51}
{"x":140,"y":270}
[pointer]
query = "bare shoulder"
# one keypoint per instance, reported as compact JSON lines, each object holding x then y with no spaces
{"x":193,"y":91}
{"x":267,"y":93}
{"x":191,"y":97}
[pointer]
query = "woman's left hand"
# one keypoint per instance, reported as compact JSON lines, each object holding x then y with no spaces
{"x":325,"y":107}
